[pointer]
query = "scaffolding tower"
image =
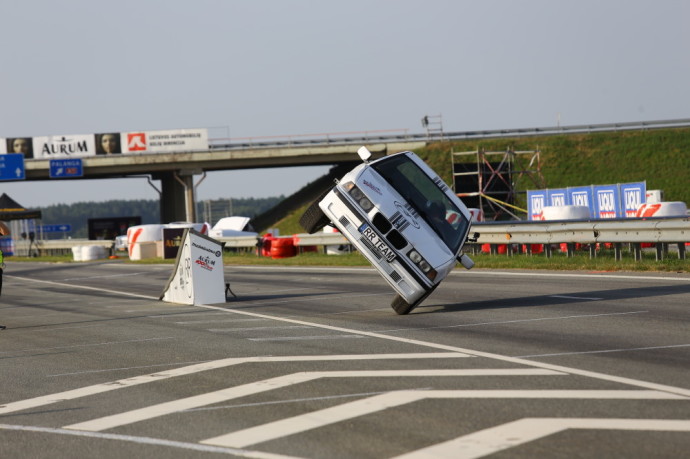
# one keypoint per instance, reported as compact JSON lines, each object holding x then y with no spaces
{"x":496,"y":180}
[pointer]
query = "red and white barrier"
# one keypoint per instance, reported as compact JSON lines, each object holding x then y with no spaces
{"x":663,"y":209}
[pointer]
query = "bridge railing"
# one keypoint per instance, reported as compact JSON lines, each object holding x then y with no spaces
{"x":403,"y":135}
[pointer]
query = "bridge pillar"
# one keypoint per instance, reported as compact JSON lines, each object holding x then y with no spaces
{"x":178,"y":203}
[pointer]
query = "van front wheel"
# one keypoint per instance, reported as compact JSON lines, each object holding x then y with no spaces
{"x":313,"y":219}
{"x":400,"y":306}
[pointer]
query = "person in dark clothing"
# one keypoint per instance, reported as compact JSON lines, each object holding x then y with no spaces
{"x":4,"y":231}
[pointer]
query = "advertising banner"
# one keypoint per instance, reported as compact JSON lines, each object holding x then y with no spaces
{"x":21,"y":145}
{"x":64,"y":146}
{"x":198,"y":275}
{"x":633,"y":195}
{"x":165,"y":141}
{"x":607,"y":201}
{"x":172,"y":239}
{"x":536,"y":200}
{"x":108,"y":143}
{"x":557,"y":197}
{"x":582,"y":196}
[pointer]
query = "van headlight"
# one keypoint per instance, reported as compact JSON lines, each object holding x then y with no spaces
{"x":359,"y":196}
{"x":423,"y":265}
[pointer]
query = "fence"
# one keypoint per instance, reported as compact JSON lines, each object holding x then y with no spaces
{"x":661,"y":232}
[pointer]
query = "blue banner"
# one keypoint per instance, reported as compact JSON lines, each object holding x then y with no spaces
{"x":632,"y":195}
{"x":582,"y":196}
{"x":607,"y":201}
{"x":557,"y":197}
{"x":536,"y":200}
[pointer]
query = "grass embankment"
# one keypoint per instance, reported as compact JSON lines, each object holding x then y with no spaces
{"x":659,"y":157}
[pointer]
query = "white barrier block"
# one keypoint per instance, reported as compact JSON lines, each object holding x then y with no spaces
{"x":663,"y":209}
{"x":565,"y":213}
{"x":198,"y":275}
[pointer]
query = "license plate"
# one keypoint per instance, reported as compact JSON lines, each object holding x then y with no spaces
{"x":375,"y":241}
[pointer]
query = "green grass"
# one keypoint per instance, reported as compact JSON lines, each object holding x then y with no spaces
{"x":604,"y":261}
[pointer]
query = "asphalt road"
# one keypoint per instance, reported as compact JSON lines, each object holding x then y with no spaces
{"x":313,"y":363}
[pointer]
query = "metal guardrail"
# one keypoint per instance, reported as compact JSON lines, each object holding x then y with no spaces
{"x":25,"y":248}
{"x":658,"y":231}
{"x":633,"y":231}
{"x":368,"y":137}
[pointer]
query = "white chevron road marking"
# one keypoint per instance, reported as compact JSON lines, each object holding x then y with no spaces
{"x":327,"y":416}
{"x":161,"y":409}
{"x":494,"y":439}
{"x":204,"y":366}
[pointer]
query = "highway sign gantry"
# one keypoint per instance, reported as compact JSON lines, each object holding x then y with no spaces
{"x":12,"y":167}
{"x":66,"y":168}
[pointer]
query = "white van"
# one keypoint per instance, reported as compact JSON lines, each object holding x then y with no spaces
{"x":403,"y":218}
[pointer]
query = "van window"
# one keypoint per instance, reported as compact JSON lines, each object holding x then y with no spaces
{"x":420,"y":191}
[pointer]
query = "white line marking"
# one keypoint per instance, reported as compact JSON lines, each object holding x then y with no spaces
{"x":216,"y":321}
{"x":126,"y":368}
{"x":464,"y":272}
{"x":583,"y":316}
{"x":575,"y":297}
{"x":98,"y":289}
{"x":230,"y":330}
{"x":66,"y":328}
{"x":301,"y":338}
{"x":515,"y":433}
{"x":196,"y":401}
{"x":465,"y":352}
{"x":489,"y":355}
{"x":147,"y":441}
{"x":177,"y":315}
{"x":327,"y":416}
{"x":108,"y":276}
{"x":590,"y":276}
{"x":574,"y":371}
{"x":88,"y":345}
{"x":294,"y":400}
{"x":605,"y":351}
{"x":204,"y":366}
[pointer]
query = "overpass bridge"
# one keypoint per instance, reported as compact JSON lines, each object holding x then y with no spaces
{"x":177,"y":171}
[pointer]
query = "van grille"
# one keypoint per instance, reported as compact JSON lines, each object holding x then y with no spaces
{"x":344,"y":221}
{"x":371,"y":247}
{"x":397,"y":239}
{"x":395,"y":276}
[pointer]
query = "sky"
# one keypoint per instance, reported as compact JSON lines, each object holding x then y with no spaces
{"x":296,"y":67}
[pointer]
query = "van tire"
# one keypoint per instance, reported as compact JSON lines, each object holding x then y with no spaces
{"x":400,"y":306}
{"x":313,"y":219}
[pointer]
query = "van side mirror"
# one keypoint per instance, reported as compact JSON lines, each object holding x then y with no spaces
{"x":466,"y":261}
{"x":364,"y":154}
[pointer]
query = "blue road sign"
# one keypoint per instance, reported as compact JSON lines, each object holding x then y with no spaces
{"x":12,"y":167}
{"x":66,"y":168}
{"x":56,"y":228}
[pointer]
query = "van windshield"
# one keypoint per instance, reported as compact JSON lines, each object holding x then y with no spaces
{"x":419,"y":190}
